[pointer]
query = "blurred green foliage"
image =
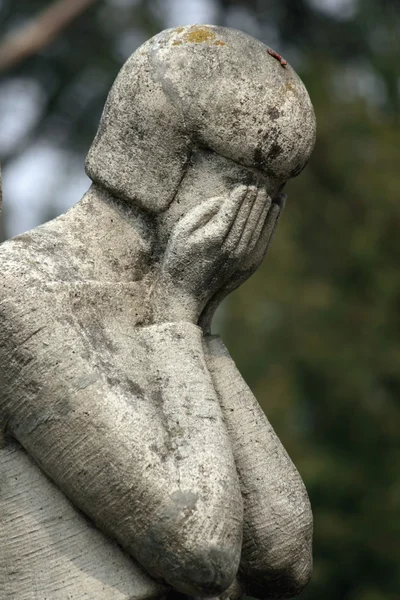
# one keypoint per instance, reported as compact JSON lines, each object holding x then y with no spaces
{"x":316,"y":331}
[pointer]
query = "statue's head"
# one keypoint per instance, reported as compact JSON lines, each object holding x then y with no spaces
{"x":204,"y":87}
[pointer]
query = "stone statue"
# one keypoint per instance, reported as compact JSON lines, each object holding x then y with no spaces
{"x":135,"y":463}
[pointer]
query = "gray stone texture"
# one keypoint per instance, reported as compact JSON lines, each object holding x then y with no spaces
{"x":134,"y":460}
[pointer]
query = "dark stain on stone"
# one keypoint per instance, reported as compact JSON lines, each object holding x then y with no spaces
{"x":177,"y":336}
{"x":135,"y":389}
{"x":274,"y":113}
{"x":132,"y":389}
{"x":157,"y":397}
{"x":100,"y":340}
{"x":274,"y":151}
{"x":24,"y":238}
{"x":259,"y":157}
{"x":244,"y":177}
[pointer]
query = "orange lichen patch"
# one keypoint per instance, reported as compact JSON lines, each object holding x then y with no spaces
{"x":177,"y":43}
{"x":289,"y":87}
{"x":179,"y":29}
{"x":219,"y":43}
{"x":198,"y":35}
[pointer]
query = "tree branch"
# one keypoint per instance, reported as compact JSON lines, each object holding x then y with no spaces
{"x":42,"y":30}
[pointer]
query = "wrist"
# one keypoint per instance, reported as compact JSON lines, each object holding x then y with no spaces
{"x":173,"y":305}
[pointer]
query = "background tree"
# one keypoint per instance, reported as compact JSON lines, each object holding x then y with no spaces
{"x":316,"y":332}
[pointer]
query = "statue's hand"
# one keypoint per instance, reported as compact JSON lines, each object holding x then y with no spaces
{"x":205,"y":249}
{"x":254,"y":255}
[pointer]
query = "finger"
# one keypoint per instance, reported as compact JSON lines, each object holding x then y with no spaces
{"x":267,"y":224}
{"x":255,"y":221}
{"x":273,"y":218}
{"x":268,"y":230}
{"x":198,"y":217}
{"x":258,"y":229}
{"x":229,"y":210}
{"x":236,"y":227}
{"x":219,"y":226}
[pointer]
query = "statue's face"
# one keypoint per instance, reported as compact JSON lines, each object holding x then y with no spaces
{"x":210,"y":175}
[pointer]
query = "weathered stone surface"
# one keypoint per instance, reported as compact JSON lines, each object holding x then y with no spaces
{"x":276,"y":551}
{"x":114,"y":398}
{"x":204,"y":85}
{"x":50,"y":550}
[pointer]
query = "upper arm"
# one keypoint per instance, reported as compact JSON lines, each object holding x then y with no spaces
{"x":125,"y":420}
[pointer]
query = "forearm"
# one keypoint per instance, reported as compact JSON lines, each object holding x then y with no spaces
{"x":126,"y":421}
{"x":277,"y":515}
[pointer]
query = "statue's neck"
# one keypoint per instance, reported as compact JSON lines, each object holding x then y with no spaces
{"x":119,"y":238}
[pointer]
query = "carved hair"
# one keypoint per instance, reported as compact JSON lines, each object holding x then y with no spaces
{"x":199,"y":85}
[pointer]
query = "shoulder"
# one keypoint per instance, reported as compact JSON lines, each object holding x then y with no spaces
{"x":35,"y":257}
{"x":27,"y":266}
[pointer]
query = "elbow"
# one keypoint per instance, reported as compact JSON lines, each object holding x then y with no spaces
{"x":294,"y":576}
{"x":207,"y":571}
{"x":299,"y":577}
{"x":202,"y":569}
{"x":284,"y":580}
{"x":284,"y":568}
{"x":200,"y":563}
